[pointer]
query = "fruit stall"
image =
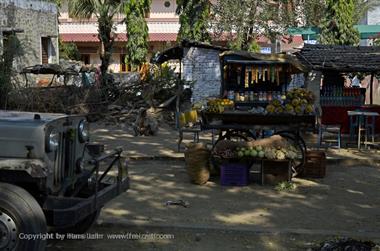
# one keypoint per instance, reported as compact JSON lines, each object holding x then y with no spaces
{"x":255,"y":97}
{"x":287,"y":116}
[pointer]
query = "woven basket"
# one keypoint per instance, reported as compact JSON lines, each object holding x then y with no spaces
{"x":197,"y":164}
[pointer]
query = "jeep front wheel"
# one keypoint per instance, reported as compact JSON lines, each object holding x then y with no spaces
{"x":22,"y":221}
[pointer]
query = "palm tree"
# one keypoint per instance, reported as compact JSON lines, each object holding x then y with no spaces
{"x":104,"y":11}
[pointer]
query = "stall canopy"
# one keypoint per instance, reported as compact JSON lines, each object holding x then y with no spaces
{"x":177,"y":52}
{"x":244,"y":56}
{"x":340,"y":58}
{"x":308,"y":33}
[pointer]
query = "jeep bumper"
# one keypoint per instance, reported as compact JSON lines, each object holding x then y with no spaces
{"x":67,"y":211}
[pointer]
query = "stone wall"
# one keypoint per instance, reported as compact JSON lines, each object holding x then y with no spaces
{"x":37,"y":19}
{"x":202,"y":66}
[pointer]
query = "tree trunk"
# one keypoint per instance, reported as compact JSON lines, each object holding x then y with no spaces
{"x":105,"y":36}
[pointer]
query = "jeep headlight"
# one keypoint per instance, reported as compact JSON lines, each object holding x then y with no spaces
{"x":83,"y":131}
{"x":52,"y":141}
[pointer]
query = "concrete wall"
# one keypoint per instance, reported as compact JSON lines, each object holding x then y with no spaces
{"x":203,"y":67}
{"x":37,"y":19}
{"x":159,"y":10}
{"x":373,"y":16}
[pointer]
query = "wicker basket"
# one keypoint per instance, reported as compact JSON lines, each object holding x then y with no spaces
{"x":197,"y":164}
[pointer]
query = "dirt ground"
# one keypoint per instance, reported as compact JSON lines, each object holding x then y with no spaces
{"x":192,"y":240}
{"x":344,"y":204}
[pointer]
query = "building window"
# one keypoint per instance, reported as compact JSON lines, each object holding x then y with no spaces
{"x":45,"y":49}
{"x":85,"y":58}
{"x":167,"y":4}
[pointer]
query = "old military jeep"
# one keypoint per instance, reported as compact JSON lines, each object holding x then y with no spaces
{"x":52,"y":178}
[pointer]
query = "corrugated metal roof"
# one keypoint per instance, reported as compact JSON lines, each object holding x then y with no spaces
{"x":92,"y":27}
{"x":341,"y":58}
{"x":120,"y":37}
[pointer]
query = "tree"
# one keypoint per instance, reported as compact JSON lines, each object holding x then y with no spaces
{"x":104,"y":11}
{"x":194,"y":20}
{"x":362,"y":7}
{"x":137,"y":31}
{"x":338,"y":24}
{"x":245,"y":21}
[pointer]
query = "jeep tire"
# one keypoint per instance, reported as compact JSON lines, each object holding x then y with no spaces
{"x":20,"y":217}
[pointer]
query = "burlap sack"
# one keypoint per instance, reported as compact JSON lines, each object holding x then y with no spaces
{"x":197,"y":158}
{"x":273,"y":141}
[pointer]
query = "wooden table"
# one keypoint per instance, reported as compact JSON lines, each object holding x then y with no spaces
{"x":364,"y":114}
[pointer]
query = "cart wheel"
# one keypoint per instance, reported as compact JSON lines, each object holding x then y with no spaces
{"x":300,"y":145}
{"x":233,"y":135}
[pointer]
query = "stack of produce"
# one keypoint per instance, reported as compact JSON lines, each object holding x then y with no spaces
{"x":297,"y":101}
{"x":273,"y":148}
{"x":268,"y":152}
{"x":219,"y":105}
{"x":254,"y":152}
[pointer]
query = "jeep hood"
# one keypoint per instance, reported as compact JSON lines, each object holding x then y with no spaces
{"x":13,"y":116}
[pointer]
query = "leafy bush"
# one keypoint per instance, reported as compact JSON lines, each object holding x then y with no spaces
{"x":69,"y":51}
{"x":10,"y":51}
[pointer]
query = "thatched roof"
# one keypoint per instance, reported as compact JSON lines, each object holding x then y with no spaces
{"x":244,"y":56}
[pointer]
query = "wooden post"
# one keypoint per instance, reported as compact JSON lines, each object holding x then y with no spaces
{"x":371,"y":89}
{"x":177,"y":103}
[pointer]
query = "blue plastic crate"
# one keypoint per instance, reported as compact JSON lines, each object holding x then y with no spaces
{"x":234,"y":174}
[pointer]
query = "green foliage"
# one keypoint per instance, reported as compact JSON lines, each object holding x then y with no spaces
{"x":194,"y":20}
{"x":285,"y":186}
{"x":104,"y":11}
{"x":254,"y":47}
{"x":160,"y":83}
{"x":338,"y":24}
{"x":69,"y":51}
{"x":11,"y":50}
{"x":244,"y":22}
{"x":137,"y":31}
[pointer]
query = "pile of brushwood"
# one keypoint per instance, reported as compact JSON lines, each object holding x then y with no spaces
{"x":151,"y":96}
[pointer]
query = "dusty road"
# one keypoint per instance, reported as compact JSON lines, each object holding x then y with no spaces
{"x":187,"y":240}
{"x":256,"y":217}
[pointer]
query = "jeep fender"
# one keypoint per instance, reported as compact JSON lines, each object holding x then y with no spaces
{"x":36,"y":168}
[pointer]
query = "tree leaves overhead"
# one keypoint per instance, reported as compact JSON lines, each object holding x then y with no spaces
{"x":137,"y":31}
{"x":338,"y":23}
{"x":194,"y":19}
{"x":243,"y":21}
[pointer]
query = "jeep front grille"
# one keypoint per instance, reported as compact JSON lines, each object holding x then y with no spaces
{"x":65,"y":158}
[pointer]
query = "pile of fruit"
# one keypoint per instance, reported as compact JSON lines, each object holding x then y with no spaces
{"x":272,"y":153}
{"x":280,"y":153}
{"x":298,"y":101}
{"x":254,"y":152}
{"x":219,"y":105}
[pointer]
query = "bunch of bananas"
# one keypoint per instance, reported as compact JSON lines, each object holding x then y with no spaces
{"x":219,"y":105}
